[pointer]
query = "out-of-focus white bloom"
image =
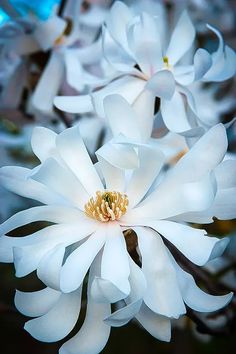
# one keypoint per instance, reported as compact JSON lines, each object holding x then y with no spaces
{"x":143,"y":59}
{"x":58,"y":34}
{"x":90,"y":208}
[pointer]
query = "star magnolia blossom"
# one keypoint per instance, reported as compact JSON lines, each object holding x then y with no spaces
{"x":136,"y":48}
{"x":90,"y":208}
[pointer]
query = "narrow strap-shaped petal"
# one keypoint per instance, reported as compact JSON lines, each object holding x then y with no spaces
{"x":115,"y":262}
{"x":79,"y":261}
{"x":157,"y":325}
{"x":143,"y":177}
{"x":94,"y":333}
{"x":75,"y":155}
{"x":74,"y":104}
{"x":121,"y":117}
{"x":16,"y":179}
{"x":174,"y":113}
{"x":36,"y":303}
{"x":193,"y":243}
{"x":46,"y":89}
{"x":49,"y":267}
{"x":62,"y":181}
{"x":184,"y":32}
{"x":48,"y":148}
{"x":114,"y":176}
{"x":162,"y":294}
{"x":133,"y":301}
{"x":54,"y":214}
{"x":194,"y":297}
{"x":59,"y":321}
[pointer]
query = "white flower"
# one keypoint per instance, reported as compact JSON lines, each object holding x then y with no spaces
{"x":51,"y":34}
{"x":137,"y":49}
{"x":90,"y":211}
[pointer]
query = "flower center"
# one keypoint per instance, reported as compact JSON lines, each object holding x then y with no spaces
{"x":107,"y":206}
{"x":166,"y":62}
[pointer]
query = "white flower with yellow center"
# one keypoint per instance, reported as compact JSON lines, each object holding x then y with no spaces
{"x":97,"y":210}
{"x":143,"y":59}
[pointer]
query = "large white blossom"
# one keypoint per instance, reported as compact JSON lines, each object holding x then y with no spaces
{"x":90,"y":206}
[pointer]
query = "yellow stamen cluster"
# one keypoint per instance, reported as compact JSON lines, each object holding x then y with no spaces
{"x":107,"y":206}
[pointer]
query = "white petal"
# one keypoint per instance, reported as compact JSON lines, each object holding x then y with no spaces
{"x":115,"y":253}
{"x":47,"y":88}
{"x":202,"y":63}
{"x":128,"y":86}
{"x":59,"y":321}
{"x":174,"y":113}
{"x":163,"y":294}
{"x":47,"y":149}
{"x":74,"y":104}
{"x":119,"y":155}
{"x":223,"y":208}
{"x":162,"y":84}
{"x":117,"y":21}
{"x":103,"y":290}
{"x":224,"y":205}
{"x":196,"y":162}
{"x":74,"y":70}
{"x":143,"y":177}
{"x":55,"y":214}
{"x":122,"y":316}
{"x":16,"y":179}
{"x":181,"y":39}
{"x":226,"y":174}
{"x":145,"y":43}
{"x":175,"y":198}
{"x":193,"y":243}
{"x":114,"y":177}
{"x":31,"y":248}
{"x":36,"y":303}
{"x":197,"y":299}
{"x":60,"y":180}
{"x":50,"y":266}
{"x":133,"y":301}
{"x":121,"y":117}
{"x":94,"y":333}
{"x":144,"y":108}
{"x":223,"y":61}
{"x":158,"y":326}
{"x":184,"y":74}
{"x":75,"y":155}
{"x":79,"y":261}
